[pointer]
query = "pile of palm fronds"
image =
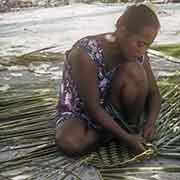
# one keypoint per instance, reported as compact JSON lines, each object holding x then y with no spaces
{"x":27,"y":135}
{"x":33,"y":57}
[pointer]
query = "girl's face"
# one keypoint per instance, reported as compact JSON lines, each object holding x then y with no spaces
{"x":134,"y":45}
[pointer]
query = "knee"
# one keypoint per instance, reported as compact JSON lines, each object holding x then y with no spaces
{"x":68,"y":145}
{"x":131,"y":75}
{"x":129,"y":82}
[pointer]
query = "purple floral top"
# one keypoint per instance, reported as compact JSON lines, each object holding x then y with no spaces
{"x":70,"y":103}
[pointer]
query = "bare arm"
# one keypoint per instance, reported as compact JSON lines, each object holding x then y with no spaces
{"x":85,"y":74}
{"x":153,"y":101}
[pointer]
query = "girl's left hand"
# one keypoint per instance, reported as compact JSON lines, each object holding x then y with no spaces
{"x":149,"y":131}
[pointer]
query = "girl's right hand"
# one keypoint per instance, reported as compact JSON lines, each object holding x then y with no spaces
{"x":137,"y":143}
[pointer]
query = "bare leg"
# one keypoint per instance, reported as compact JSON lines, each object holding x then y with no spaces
{"x":129,"y":90}
{"x":73,"y":137}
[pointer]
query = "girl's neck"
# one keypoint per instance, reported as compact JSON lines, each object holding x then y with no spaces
{"x":112,"y":49}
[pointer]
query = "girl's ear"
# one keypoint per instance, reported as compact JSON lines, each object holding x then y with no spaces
{"x":120,"y":26}
{"x":119,"y":22}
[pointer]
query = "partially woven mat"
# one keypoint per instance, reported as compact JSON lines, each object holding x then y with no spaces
{"x":116,"y":154}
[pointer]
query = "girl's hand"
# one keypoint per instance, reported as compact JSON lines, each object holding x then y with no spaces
{"x":137,"y":143}
{"x":149,"y":131}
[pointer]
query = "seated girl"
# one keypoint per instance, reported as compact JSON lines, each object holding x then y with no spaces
{"x":108,"y":85}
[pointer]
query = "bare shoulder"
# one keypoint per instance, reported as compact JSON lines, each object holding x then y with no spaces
{"x":150,"y":75}
{"x":84,"y":73}
{"x":147,"y":64}
{"x":79,"y":59}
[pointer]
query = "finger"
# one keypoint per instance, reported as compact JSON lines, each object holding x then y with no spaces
{"x":142,"y":139}
{"x":152,"y":135}
{"x":146,"y":135}
{"x":144,"y":142}
{"x":142,"y":148}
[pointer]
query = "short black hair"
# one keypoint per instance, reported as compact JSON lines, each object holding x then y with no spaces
{"x":136,"y":17}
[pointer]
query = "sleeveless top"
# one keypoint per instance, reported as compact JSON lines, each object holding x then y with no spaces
{"x":70,"y":105}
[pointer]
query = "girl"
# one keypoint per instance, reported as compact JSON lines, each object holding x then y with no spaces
{"x":108,"y":84}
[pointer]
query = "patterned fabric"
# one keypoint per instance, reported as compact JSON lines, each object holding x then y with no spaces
{"x":70,"y":104}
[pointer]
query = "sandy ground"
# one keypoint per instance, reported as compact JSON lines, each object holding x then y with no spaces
{"x":33,"y":29}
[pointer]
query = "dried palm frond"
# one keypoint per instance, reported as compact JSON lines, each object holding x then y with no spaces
{"x":32,"y":57}
{"x":27,"y":136}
